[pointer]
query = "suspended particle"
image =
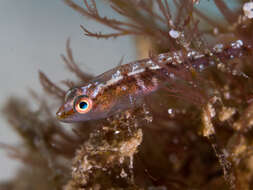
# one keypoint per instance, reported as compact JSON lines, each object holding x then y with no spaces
{"x":174,"y":33}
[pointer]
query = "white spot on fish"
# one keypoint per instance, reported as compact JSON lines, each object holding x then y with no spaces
{"x":135,"y":67}
{"x":135,"y":72}
{"x":84,"y":88}
{"x":155,"y":67}
{"x":113,"y":80}
{"x":116,"y":75}
{"x":97,"y":90}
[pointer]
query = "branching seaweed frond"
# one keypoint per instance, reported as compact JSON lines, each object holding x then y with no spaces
{"x":73,"y":66}
{"x":50,"y":87}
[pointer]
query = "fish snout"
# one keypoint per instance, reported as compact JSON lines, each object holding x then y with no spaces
{"x":61,"y":113}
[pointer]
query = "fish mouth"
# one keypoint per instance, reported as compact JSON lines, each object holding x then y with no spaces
{"x":64,"y":115}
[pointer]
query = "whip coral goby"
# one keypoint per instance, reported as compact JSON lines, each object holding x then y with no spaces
{"x":123,"y":86}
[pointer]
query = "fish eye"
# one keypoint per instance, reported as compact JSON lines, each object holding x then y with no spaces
{"x":83,"y":104}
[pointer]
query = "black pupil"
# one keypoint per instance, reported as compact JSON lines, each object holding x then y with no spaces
{"x":83,"y":105}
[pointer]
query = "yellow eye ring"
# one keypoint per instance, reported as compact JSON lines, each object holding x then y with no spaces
{"x":83,"y":104}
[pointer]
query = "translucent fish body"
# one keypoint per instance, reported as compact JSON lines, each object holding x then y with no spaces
{"x":122,"y":87}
